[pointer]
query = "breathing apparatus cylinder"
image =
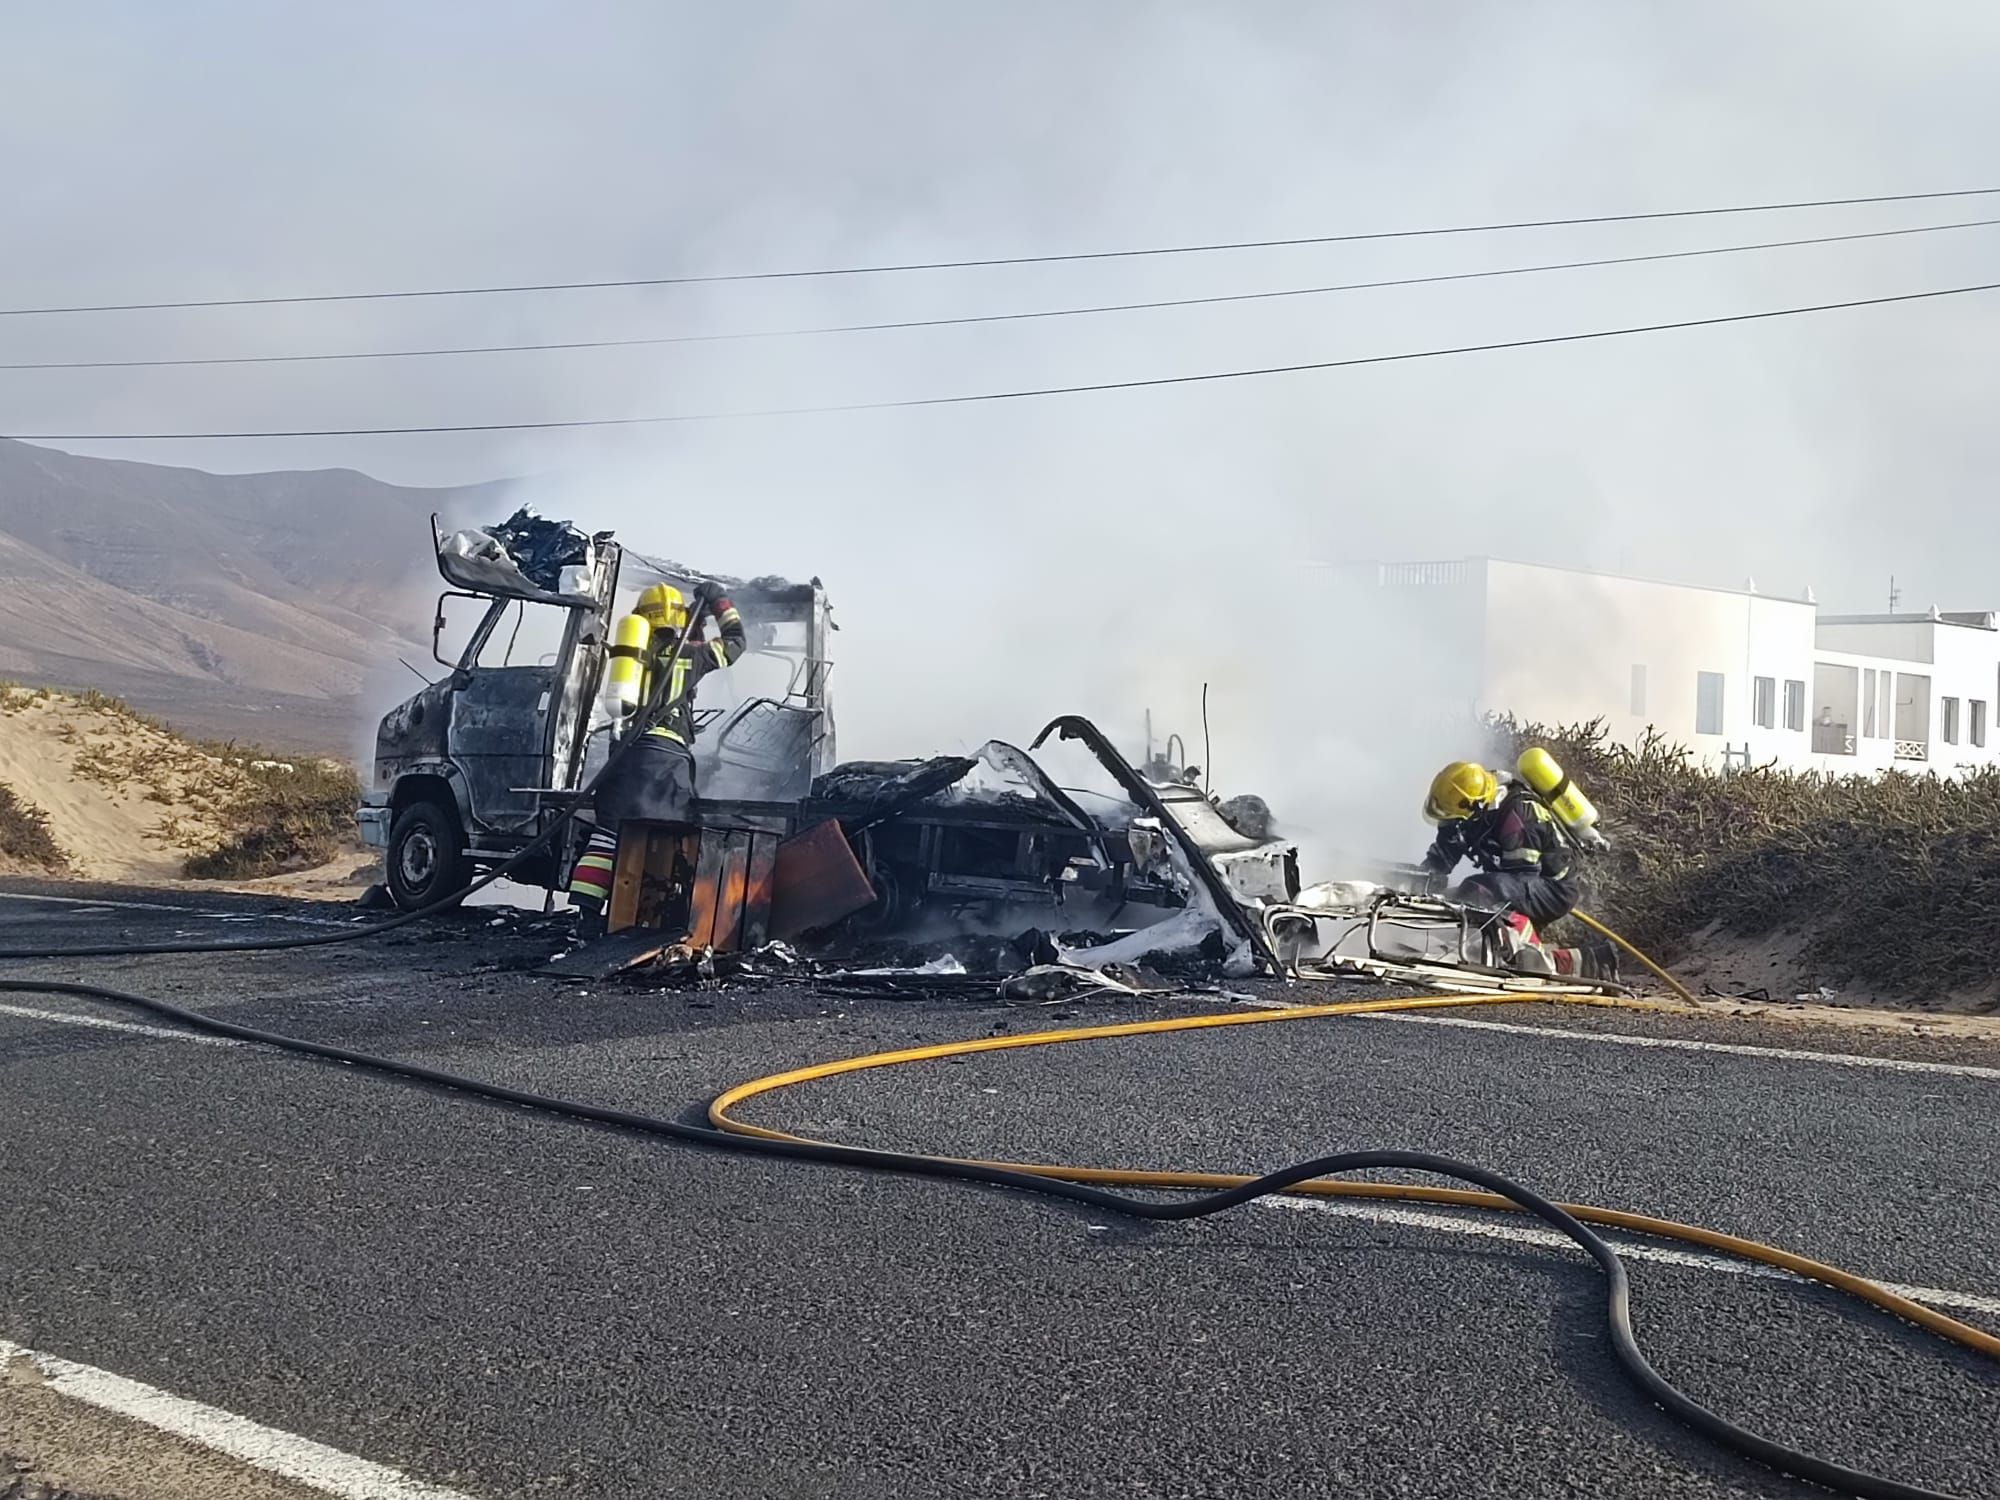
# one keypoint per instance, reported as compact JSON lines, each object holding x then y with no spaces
{"x":625,"y":671}
{"x":1564,"y":798}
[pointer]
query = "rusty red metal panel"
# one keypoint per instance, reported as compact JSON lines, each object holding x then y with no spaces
{"x":816,"y":882}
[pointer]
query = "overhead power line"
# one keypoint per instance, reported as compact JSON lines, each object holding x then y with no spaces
{"x":1006,"y":317}
{"x":1003,"y":260}
{"x":1012,"y":395}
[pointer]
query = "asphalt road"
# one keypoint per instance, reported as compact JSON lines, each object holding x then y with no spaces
{"x":511,"y":1305}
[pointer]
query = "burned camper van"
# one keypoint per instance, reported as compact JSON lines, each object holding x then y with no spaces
{"x":476,"y":766}
{"x":959,"y":843}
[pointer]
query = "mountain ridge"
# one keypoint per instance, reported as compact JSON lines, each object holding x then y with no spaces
{"x":236,"y":606}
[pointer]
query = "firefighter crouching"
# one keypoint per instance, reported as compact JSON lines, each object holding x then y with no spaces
{"x":653,"y":780}
{"x":1523,"y":856}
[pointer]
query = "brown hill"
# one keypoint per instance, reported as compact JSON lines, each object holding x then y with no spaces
{"x":245,"y":606}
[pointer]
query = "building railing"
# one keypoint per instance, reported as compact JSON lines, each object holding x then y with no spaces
{"x":1419,"y":574}
{"x":1912,"y":750}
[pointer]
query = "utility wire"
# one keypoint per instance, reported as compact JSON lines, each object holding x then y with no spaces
{"x":1006,"y":260}
{"x":1009,"y":317}
{"x":1014,"y":395}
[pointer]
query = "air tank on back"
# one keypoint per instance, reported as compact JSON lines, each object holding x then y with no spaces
{"x":625,"y":670}
{"x":1565,"y":799}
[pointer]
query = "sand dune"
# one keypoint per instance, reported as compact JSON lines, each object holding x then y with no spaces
{"x":125,"y":799}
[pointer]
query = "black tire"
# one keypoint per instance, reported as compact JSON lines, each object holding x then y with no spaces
{"x":897,"y":896}
{"x":426,"y":858}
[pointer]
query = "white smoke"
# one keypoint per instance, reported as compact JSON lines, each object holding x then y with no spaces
{"x":996,"y":564}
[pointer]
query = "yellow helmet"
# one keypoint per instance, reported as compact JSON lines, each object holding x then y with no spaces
{"x":1459,"y":790}
{"x":663,"y":607}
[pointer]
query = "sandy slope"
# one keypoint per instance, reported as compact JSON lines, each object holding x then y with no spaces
{"x":126,"y":800}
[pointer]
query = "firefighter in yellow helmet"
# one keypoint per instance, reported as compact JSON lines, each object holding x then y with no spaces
{"x":665,"y":609}
{"x":1523,"y":864}
{"x":653,"y":781}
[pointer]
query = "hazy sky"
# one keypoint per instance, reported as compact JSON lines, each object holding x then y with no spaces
{"x":1098,"y":551}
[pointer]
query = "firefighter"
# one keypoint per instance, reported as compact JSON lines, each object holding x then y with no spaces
{"x":1523,"y":861}
{"x":653,"y":780}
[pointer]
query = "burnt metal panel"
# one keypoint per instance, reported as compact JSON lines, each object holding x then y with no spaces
{"x":499,"y":741}
{"x":412,"y":733}
{"x":579,"y":669}
{"x":705,"y":899}
{"x":608,"y":957}
{"x":1141,"y":791}
{"x":732,"y":886}
{"x":1204,"y":823}
{"x":762,"y":749}
{"x":759,"y":884}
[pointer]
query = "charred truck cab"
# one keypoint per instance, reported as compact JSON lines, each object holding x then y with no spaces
{"x":475,"y":767}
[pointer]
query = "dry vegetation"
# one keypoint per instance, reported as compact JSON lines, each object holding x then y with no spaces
{"x":281,"y":818}
{"x":25,"y":839}
{"x":1890,"y":882}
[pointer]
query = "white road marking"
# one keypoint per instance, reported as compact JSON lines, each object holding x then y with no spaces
{"x":165,"y":1033}
{"x":1682,"y":1044}
{"x":1417,"y":1218}
{"x":1521,"y":1234}
{"x":284,"y":916}
{"x":186,"y":911}
{"x":284,"y":1454}
{"x":83,"y":906}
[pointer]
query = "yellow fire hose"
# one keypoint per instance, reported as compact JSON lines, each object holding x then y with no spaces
{"x":1127,"y":1177}
{"x":1661,"y":974}
{"x":1319,"y":1178}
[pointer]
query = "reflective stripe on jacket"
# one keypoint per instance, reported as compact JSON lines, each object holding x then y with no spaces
{"x":696,"y":661}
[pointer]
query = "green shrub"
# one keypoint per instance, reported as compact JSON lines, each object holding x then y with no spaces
{"x":24,"y":834}
{"x":282,"y":819}
{"x":1891,"y":880}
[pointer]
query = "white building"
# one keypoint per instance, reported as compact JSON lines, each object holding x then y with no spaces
{"x":1735,"y":675}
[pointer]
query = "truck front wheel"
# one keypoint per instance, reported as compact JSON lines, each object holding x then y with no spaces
{"x":426,"y":859}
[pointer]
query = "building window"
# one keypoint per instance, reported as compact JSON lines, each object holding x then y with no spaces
{"x":1948,"y":720}
{"x":1638,"y":690}
{"x":1917,"y":716}
{"x":1795,"y":704}
{"x":1870,"y":729}
{"x":1764,"y":702}
{"x":1975,"y":720}
{"x":1708,"y":703}
{"x":1885,"y":713}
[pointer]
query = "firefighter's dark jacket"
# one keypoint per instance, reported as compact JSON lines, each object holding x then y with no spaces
{"x":1518,"y":835}
{"x":697,"y":659}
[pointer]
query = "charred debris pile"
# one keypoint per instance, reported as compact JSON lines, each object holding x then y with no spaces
{"x":1889,"y":882}
{"x":1030,"y":967}
{"x":973,"y":874}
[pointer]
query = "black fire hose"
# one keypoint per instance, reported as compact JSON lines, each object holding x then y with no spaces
{"x":1624,"y":1343}
{"x":1618,"y":1310}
